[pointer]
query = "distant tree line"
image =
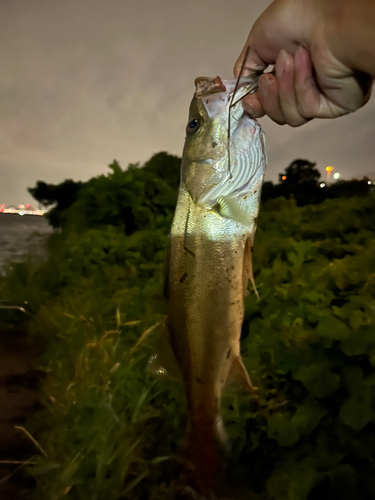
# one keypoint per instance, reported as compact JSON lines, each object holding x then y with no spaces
{"x":134,"y":197}
{"x":301,"y":180}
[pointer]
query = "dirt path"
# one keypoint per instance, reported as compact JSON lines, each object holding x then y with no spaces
{"x":18,"y":396}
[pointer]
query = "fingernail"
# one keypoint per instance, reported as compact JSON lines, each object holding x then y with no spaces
{"x":298,"y":57}
{"x":281,"y":63}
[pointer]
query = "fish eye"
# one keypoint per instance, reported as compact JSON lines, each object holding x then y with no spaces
{"x":193,"y":126}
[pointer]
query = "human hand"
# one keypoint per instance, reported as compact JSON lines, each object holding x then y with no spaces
{"x":305,"y":40}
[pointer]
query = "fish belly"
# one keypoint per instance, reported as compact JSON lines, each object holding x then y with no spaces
{"x":206,"y":302}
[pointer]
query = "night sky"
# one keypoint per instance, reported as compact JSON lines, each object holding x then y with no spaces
{"x":85,"y":81}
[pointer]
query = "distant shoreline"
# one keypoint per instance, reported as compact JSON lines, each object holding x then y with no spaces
{"x":21,"y":214}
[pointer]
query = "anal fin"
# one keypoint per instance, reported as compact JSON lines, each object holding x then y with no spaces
{"x":238,"y":375}
{"x":248,"y":266}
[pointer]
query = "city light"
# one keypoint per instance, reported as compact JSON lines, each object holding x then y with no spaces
{"x":21,"y":210}
{"x":283,"y":177}
{"x":369,"y":182}
{"x":328,"y":170}
{"x":322,"y":184}
{"x":336,"y":176}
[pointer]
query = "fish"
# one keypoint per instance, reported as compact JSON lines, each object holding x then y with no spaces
{"x":210,"y":255}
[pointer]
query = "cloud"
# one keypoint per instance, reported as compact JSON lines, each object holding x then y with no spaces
{"x":345,"y":143}
{"x":85,"y":82}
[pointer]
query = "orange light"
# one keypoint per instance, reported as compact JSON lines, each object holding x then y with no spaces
{"x":329,"y":168}
{"x":283,"y":177}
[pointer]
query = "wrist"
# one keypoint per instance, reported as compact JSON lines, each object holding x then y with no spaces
{"x":349,"y":31}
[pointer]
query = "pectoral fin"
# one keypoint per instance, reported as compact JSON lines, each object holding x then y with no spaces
{"x":228,"y":207}
{"x":238,"y":375}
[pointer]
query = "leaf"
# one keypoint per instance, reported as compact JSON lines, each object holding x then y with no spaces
{"x":134,"y":483}
{"x":279,"y":428}
{"x":359,"y":342}
{"x":43,"y":466}
{"x":359,"y":318}
{"x":291,"y":481}
{"x":312,"y":296}
{"x":158,"y":460}
{"x":344,"y":480}
{"x":332,"y":328}
{"x":69,"y":471}
{"x":319,"y":380}
{"x":356,"y":414}
{"x":307,"y":417}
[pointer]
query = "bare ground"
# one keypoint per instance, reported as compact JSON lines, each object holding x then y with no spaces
{"x":18,"y":396}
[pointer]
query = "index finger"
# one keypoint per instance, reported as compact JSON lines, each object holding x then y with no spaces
{"x":252,"y":63}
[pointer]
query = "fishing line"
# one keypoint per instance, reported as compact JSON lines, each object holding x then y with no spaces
{"x":251,"y":91}
{"x":254,"y":88}
{"x":230,"y":106}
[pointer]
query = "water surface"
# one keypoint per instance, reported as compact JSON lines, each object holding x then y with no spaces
{"x":20,"y":235}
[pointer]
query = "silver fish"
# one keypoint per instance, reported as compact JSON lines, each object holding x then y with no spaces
{"x":210,"y":251}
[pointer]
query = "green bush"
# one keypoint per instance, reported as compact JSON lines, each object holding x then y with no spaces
{"x":311,"y":347}
{"x":108,"y":430}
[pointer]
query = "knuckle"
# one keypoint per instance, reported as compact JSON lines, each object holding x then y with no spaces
{"x":306,"y":105}
{"x":278,"y":120}
{"x":304,"y":94}
{"x":304,"y":110}
{"x":294,"y":119}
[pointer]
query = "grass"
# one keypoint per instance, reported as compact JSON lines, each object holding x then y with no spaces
{"x":110,"y":430}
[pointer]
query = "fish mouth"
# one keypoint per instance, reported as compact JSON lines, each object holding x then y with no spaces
{"x":206,"y":86}
{"x":217,"y":95}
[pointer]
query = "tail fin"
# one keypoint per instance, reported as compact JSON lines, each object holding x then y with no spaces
{"x":203,"y":454}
